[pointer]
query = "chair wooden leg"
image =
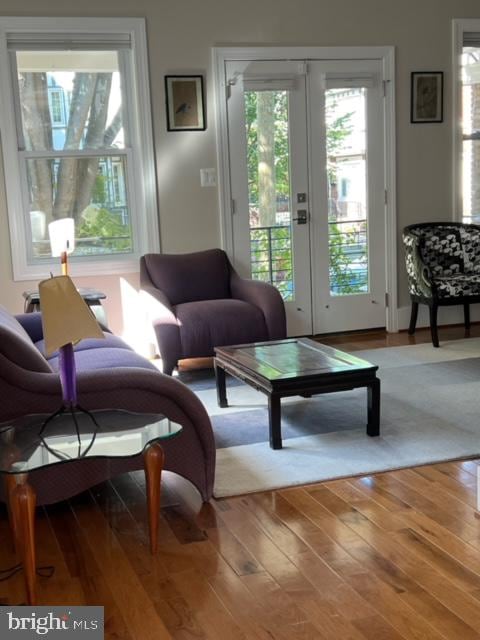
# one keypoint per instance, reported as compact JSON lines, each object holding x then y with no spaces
{"x":466,"y":315}
{"x":413,"y":318}
{"x":23,"y":501}
{"x":433,"y":324}
{"x":153,"y":461}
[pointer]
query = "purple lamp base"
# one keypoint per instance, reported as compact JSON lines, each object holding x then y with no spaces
{"x":68,"y":375}
{"x":68,"y":379}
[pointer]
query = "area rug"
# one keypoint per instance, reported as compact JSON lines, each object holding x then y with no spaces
{"x":430,"y":412}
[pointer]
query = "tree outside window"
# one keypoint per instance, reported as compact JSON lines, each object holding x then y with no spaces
{"x":71,"y":183}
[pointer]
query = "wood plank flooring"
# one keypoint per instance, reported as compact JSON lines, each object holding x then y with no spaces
{"x":384,"y":557}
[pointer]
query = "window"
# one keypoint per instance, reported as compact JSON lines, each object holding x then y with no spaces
{"x":344,"y":188}
{"x":471,"y":132}
{"x":118,"y":183}
{"x":82,"y":139}
{"x":467,"y":71}
{"x":56,"y":105}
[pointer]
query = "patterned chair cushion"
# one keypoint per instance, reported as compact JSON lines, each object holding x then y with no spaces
{"x":441,"y":250}
{"x":471,"y":249}
{"x":457,"y":286}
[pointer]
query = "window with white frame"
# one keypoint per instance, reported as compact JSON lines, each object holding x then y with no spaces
{"x":81,"y":139}
{"x":57,"y":109}
{"x":467,"y":102}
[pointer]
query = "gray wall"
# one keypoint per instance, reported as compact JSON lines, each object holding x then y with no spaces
{"x":180,"y":37}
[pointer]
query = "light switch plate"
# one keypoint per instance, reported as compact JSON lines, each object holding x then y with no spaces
{"x":208,"y":177}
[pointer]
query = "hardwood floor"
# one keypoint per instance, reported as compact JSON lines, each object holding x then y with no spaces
{"x":374,"y":339}
{"x":384,"y":557}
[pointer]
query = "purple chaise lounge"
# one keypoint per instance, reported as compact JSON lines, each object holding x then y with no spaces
{"x":197,"y":301}
{"x":110,"y":375}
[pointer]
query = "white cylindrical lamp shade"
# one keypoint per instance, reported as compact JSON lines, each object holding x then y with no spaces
{"x":62,"y":236}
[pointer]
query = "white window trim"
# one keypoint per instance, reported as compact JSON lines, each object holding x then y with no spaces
{"x":220,"y":57}
{"x":141,"y":173}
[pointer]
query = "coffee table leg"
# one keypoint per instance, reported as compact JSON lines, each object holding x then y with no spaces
{"x":221,"y":385}
{"x":274,"y":417}
{"x":373,"y":425}
{"x":153,"y":462}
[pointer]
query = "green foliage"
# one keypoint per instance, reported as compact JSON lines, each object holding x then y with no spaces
{"x":338,"y":129}
{"x":99,"y":192}
{"x":272,"y":255}
{"x":343,"y":279}
{"x":106,"y":228}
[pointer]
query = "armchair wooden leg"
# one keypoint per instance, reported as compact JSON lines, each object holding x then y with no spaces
{"x":413,"y":318}
{"x":433,"y":324}
{"x":466,"y":315}
{"x":153,"y":461}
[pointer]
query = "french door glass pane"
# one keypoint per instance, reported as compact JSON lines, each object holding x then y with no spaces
{"x":93,"y":191}
{"x":270,"y":220}
{"x":347,"y":190}
{"x":70,"y":100}
{"x":471,"y":134}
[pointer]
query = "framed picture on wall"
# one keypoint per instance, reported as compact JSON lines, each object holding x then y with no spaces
{"x":185,"y":103}
{"x":427,"y":96}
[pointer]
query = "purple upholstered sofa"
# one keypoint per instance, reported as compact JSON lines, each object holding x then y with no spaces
{"x":110,"y":376}
{"x":197,"y":301}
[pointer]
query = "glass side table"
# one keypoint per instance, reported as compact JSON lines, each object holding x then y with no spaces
{"x":24,"y":447}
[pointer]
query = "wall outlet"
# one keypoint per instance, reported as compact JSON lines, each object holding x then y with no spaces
{"x":208,"y":177}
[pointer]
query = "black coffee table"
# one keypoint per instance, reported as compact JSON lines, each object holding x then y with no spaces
{"x":296,"y":367}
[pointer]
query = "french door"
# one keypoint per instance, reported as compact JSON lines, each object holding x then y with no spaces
{"x":306,"y":156}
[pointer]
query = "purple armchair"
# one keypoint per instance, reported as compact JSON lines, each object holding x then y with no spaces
{"x":110,"y":376}
{"x":197,"y":301}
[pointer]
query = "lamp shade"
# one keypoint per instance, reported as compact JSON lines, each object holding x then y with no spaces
{"x":62,"y":236}
{"x":66,"y":317}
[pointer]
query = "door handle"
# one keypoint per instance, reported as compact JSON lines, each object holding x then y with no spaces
{"x":302,"y":216}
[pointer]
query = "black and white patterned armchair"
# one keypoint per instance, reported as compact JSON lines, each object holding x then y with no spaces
{"x":443,"y":267}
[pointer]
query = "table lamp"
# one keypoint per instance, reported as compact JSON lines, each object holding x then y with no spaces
{"x":66,"y":319}
{"x":62,"y":240}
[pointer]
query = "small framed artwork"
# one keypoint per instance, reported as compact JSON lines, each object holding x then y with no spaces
{"x":185,"y":103}
{"x":427,"y":96}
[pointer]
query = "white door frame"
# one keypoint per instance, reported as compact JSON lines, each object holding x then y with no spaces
{"x":387,"y":55}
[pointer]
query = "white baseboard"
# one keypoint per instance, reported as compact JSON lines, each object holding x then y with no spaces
{"x":446,"y":315}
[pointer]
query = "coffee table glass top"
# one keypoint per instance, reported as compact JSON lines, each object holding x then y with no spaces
{"x":295,"y":357}
{"x":24,"y":447}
